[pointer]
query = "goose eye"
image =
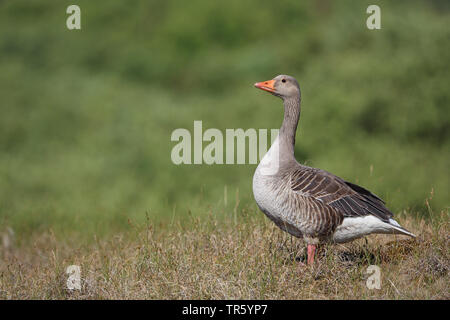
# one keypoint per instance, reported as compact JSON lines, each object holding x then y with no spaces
{"x":284,"y":80}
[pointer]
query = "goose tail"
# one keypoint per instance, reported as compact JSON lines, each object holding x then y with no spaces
{"x":399,"y":229}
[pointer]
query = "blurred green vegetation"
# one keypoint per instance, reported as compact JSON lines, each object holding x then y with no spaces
{"x":87,"y":116}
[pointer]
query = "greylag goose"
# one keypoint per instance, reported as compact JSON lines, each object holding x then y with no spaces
{"x":311,"y":203}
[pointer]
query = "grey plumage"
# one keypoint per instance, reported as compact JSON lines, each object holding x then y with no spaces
{"x":307,"y":202}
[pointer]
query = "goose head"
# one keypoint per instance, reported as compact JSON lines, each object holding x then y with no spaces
{"x":282,"y":86}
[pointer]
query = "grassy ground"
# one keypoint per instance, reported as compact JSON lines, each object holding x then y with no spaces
{"x":222,"y":258}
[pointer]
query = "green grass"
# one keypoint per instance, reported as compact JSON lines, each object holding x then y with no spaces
{"x":86,"y":116}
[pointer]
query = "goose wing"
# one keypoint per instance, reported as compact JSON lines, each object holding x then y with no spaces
{"x":345,"y":198}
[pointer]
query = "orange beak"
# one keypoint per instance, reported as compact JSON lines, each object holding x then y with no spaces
{"x":266,"y":85}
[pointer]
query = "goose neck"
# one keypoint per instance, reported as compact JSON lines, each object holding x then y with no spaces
{"x":289,"y":126}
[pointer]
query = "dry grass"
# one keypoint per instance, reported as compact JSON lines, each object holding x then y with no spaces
{"x":213,"y":259}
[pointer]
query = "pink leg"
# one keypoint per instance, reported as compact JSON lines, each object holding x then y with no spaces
{"x":311,"y":251}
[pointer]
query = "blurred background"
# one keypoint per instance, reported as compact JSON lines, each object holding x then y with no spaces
{"x":87,"y":116}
